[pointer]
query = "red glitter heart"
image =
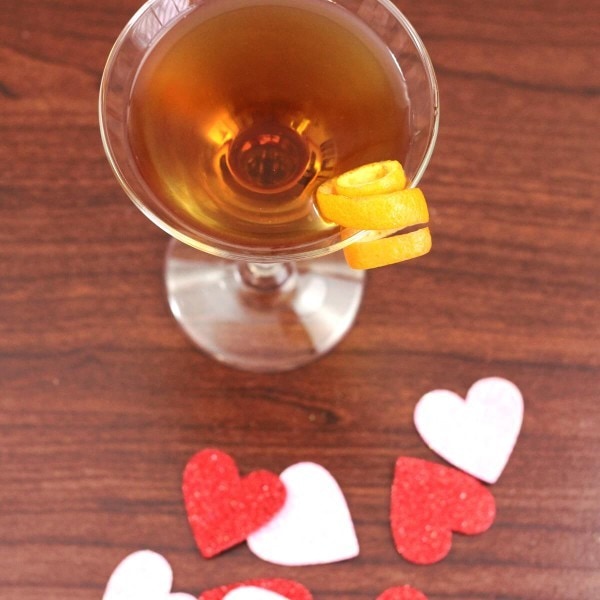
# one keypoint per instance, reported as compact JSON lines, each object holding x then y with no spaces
{"x":404,"y":592}
{"x":222,"y":508}
{"x":284,"y":587}
{"x":429,"y":502}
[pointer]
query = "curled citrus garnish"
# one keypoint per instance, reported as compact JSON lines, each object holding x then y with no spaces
{"x":389,"y":250}
{"x":375,"y":178}
{"x":374,"y":197}
{"x":393,"y":210}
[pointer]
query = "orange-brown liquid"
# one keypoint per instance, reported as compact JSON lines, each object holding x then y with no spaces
{"x":244,"y":107}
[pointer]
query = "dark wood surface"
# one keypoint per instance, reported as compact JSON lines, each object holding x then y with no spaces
{"x":102,"y":399}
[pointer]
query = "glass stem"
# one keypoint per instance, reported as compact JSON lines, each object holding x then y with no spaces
{"x":267,"y":277}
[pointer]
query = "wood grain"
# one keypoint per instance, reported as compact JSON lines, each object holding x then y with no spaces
{"x":102,"y":400}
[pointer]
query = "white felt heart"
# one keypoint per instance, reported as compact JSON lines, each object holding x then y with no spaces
{"x":313,"y":527}
{"x":477,"y":434}
{"x":251,"y":592}
{"x":143,"y":575}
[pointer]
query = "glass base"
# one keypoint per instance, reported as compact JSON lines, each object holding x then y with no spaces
{"x":262,"y":317}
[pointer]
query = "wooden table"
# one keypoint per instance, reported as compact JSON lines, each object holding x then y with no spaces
{"x":103,"y":400}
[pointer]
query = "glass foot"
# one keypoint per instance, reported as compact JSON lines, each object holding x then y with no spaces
{"x":262,"y":317}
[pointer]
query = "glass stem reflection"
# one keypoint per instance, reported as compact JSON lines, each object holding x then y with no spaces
{"x":267,"y":277}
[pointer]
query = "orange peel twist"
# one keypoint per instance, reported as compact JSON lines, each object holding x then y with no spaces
{"x":374,"y":197}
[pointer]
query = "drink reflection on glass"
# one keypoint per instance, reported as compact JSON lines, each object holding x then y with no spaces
{"x":220,"y":119}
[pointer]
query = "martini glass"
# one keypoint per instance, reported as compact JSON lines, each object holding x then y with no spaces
{"x":269,"y":301}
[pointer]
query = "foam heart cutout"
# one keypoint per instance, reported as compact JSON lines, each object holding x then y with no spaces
{"x":291,"y":590}
{"x":429,"y":502}
{"x":222,"y":508}
{"x":313,"y":527}
{"x":143,"y":575}
{"x":477,"y":434}
{"x":253,"y":593}
{"x":404,"y":592}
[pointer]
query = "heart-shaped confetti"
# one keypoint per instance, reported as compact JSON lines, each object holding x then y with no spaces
{"x":429,"y":502}
{"x":313,"y":527}
{"x":478,"y":434}
{"x":404,"y":592}
{"x":291,"y":590}
{"x":253,"y":593}
{"x":143,"y":575}
{"x":223,"y":509}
